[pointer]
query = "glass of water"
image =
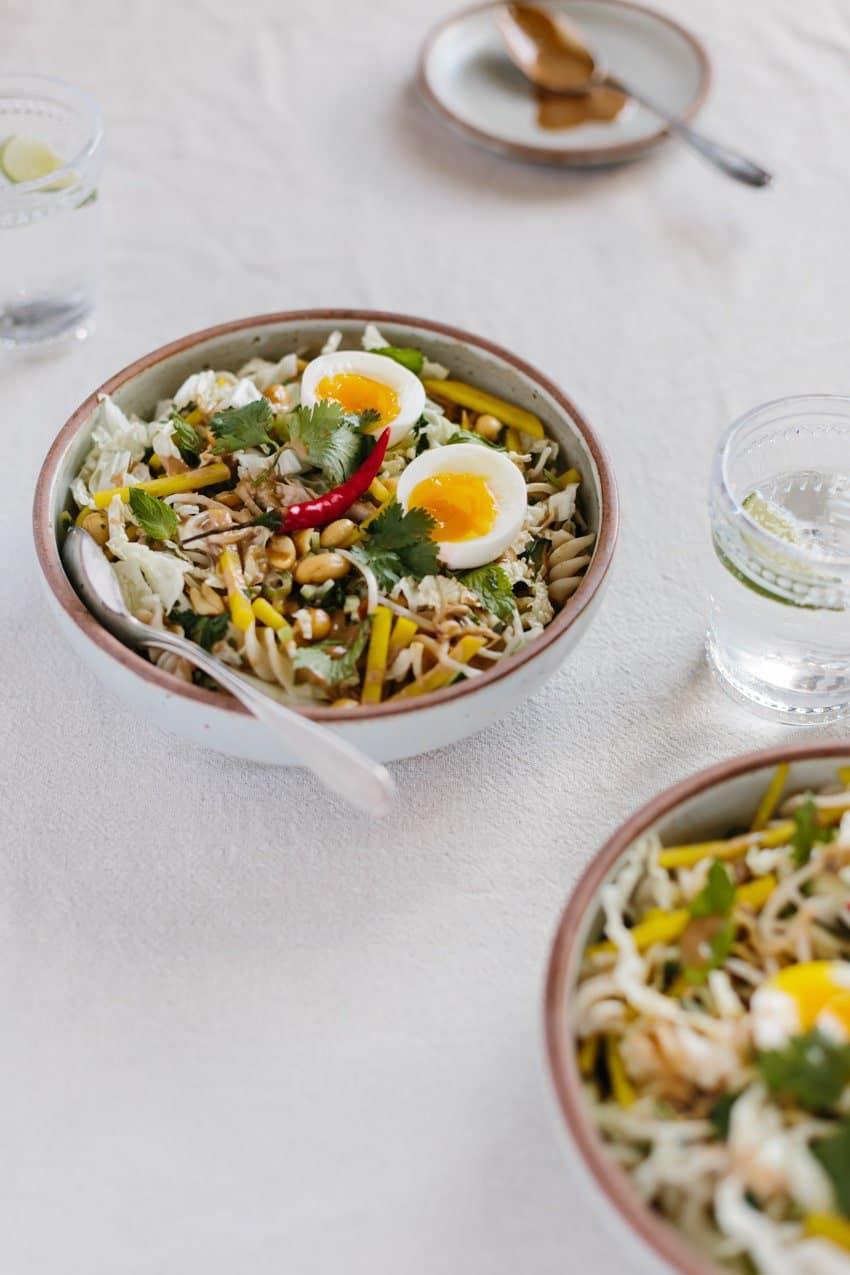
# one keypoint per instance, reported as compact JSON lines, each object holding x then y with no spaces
{"x":51,"y":155}
{"x":779,"y":632}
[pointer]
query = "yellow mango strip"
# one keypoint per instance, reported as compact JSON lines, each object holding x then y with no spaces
{"x":656,"y":927}
{"x":378,"y":491}
{"x":733,"y":848}
{"x":621,"y":1086}
{"x":588,"y":1052}
{"x":844,"y":775}
{"x":194,"y":417}
{"x":192,"y":480}
{"x":665,"y":927}
{"x":376,"y":656}
{"x":266,"y":614}
{"x":438,"y":677}
{"x":155,"y":463}
{"x":483,"y":403}
{"x":401,"y":636}
{"x":230,"y":570}
{"x":770,"y":800}
{"x":757,"y":892}
{"x":828,"y":1226}
{"x":512,"y":441}
{"x":569,"y":476}
{"x":365,"y":523}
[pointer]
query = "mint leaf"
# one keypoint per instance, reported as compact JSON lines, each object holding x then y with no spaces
{"x":206,"y":630}
{"x":331,"y":669}
{"x":187,"y":438}
{"x":834,"y":1154}
{"x":156,"y":519}
{"x":811,"y":1070}
{"x":327,"y":440}
{"x":717,"y":895}
{"x":237,"y":428}
{"x":413,"y":360}
{"x":493,"y":587}
{"x":805,"y":832}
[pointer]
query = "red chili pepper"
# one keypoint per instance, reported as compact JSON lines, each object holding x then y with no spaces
{"x":333,"y":504}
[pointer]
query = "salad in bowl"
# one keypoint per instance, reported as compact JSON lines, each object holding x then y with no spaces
{"x":349,"y":526}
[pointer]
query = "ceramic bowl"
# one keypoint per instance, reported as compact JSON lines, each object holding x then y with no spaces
{"x":705,"y":805}
{"x":386,"y":731}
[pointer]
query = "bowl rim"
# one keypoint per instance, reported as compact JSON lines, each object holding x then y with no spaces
{"x":572,"y":157}
{"x":47,"y":548}
{"x":614,"y":1185}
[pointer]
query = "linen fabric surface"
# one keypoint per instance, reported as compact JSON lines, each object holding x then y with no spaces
{"x":245,"y":1028}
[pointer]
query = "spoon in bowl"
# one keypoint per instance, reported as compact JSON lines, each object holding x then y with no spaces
{"x":344,"y":769}
{"x":554,"y":56}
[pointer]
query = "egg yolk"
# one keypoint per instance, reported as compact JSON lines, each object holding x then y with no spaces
{"x":462,"y":505}
{"x":357,"y":394}
{"x":816,"y":987}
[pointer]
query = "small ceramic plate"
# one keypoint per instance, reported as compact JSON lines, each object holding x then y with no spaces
{"x":467,"y":77}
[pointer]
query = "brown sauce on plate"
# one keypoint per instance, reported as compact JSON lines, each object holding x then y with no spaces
{"x":600,"y":105}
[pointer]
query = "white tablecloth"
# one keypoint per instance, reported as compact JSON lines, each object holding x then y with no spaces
{"x":245,"y":1029}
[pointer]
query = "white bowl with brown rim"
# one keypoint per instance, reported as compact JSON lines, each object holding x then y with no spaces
{"x":385,"y":731}
{"x":700,"y":808}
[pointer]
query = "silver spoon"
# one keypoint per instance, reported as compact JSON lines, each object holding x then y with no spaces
{"x":553,"y":55}
{"x":344,"y":769}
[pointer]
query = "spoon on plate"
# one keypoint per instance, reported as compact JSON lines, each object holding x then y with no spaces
{"x":553,"y":55}
{"x":344,"y":769}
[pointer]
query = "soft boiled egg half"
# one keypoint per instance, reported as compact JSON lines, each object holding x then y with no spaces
{"x":800,"y":998}
{"x":360,"y":381}
{"x":476,"y":496}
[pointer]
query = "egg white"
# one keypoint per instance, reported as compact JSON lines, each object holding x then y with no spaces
{"x":505,"y":482}
{"x":377,"y":367}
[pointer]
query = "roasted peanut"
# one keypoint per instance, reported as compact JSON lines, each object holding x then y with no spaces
{"x":339,"y":534}
{"x":205,"y":600}
{"x":303,"y":541}
{"x":312,"y":623}
{"x":229,"y":498}
{"x":280,"y":552}
{"x":488,"y":427}
{"x":345,"y":702}
{"x":97,"y":525}
{"x":319,"y":567}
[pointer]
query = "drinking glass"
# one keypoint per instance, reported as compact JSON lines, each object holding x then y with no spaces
{"x":779,"y":631}
{"x":50,"y":232}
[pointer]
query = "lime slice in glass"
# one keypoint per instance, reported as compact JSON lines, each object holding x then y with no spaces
{"x":773,"y":519}
{"x":26,"y":159}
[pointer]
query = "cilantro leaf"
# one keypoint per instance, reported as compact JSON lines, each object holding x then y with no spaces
{"x":811,"y":1069}
{"x":187,"y":438}
{"x":469,"y":436}
{"x":493,"y":587}
{"x":399,"y":544}
{"x":331,"y":669}
{"x":805,"y":832}
{"x":395,"y":529}
{"x":368,"y":418}
{"x":156,"y":519}
{"x":717,"y":895}
{"x":413,"y":360}
{"x":206,"y":630}
{"x":719,"y":946}
{"x":239,"y":427}
{"x":329,"y":442}
{"x":834,"y":1154}
{"x":721,"y":1114}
